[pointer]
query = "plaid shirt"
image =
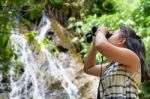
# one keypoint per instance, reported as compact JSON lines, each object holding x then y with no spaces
{"x":117,"y":83}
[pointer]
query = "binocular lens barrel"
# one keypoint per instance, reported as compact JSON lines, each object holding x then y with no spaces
{"x":89,"y":35}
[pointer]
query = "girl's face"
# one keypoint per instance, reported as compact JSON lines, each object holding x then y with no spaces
{"x":116,"y":39}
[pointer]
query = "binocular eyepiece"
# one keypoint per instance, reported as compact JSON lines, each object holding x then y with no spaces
{"x":89,"y":35}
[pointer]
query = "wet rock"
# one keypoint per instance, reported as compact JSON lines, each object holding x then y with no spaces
{"x":56,"y":91}
{"x":4,"y":95}
{"x":87,"y":84}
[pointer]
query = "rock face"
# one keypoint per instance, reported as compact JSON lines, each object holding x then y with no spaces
{"x":86,"y":84}
{"x":57,"y":91}
{"x":4,"y":95}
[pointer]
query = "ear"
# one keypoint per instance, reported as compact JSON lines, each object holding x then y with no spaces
{"x":122,"y":40}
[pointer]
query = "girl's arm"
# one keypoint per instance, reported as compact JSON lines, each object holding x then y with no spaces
{"x":90,"y":66}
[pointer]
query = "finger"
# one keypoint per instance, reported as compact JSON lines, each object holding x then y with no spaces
{"x":104,"y":29}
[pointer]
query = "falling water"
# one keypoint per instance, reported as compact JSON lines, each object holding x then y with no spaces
{"x":40,"y":69}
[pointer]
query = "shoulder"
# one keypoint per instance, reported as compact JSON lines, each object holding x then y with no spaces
{"x":133,"y":63}
{"x":119,"y":54}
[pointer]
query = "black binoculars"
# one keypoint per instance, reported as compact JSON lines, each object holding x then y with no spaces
{"x":89,"y":35}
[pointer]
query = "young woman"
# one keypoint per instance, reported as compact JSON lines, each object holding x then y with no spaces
{"x":121,"y":78}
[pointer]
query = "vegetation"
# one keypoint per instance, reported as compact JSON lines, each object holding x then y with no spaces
{"x":77,"y":16}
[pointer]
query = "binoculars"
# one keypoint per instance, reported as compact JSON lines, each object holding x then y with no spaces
{"x":89,"y":35}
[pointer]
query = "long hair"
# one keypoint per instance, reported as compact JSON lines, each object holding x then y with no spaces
{"x":134,"y":43}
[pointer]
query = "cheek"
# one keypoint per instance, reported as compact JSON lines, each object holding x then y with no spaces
{"x":113,"y":40}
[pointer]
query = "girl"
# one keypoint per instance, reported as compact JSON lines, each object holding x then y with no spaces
{"x":121,"y":78}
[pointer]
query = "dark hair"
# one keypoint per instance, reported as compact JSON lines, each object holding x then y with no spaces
{"x":134,"y":43}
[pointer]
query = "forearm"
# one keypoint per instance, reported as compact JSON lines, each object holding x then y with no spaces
{"x":100,"y":40}
{"x":90,"y":66}
{"x":91,"y":58}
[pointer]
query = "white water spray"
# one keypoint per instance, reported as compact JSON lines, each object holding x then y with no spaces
{"x":31,"y":84}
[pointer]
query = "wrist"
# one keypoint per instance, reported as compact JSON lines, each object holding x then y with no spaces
{"x":93,"y":46}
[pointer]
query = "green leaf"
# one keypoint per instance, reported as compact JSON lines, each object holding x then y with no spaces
{"x":8,"y":53}
{"x":57,"y":2}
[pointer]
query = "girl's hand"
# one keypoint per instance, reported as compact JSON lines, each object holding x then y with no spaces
{"x":101,"y":36}
{"x":103,"y":30}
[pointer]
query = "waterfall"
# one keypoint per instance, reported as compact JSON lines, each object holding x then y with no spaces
{"x":40,"y":69}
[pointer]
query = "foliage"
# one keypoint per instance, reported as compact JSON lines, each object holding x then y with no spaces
{"x":6,"y":52}
{"x":147,"y":45}
{"x":50,"y":46}
{"x":57,"y":2}
{"x":99,"y":7}
{"x":144,"y":93}
{"x":12,"y":16}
